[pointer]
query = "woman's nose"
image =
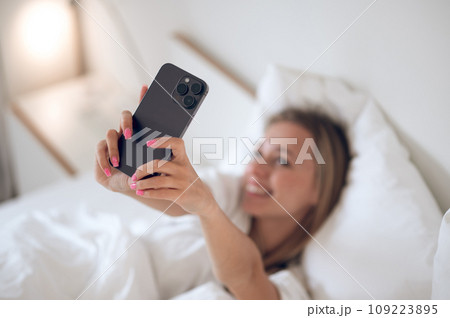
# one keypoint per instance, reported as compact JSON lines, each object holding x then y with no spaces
{"x":261,"y":170}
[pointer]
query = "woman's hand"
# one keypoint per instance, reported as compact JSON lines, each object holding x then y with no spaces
{"x":178,"y":180}
{"x":107,"y":150}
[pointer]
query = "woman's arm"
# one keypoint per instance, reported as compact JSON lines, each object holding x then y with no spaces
{"x":236,"y":260}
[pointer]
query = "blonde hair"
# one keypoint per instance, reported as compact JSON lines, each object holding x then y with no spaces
{"x":332,"y":143}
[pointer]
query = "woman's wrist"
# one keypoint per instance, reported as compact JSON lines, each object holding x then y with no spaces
{"x":210,"y":211}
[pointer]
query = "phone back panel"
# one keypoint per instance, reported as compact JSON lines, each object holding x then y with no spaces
{"x":160,"y":113}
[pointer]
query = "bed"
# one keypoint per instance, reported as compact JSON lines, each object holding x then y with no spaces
{"x":358,"y":254}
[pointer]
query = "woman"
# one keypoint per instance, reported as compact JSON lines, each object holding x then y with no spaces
{"x":287,"y":200}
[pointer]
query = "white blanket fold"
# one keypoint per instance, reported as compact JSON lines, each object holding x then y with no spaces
{"x":57,"y":255}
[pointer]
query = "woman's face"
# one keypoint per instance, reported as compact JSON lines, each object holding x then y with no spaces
{"x":292,"y":185}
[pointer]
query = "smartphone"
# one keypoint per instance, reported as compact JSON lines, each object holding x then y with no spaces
{"x":167,"y":109}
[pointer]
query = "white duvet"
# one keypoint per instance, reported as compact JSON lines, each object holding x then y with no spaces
{"x":88,"y":254}
{"x":108,"y":246}
{"x":58,"y":241}
{"x":57,"y":255}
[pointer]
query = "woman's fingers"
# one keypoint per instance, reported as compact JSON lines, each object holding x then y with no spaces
{"x":157,"y":182}
{"x":126,"y":124}
{"x":163,"y":166}
{"x":156,"y":166}
{"x":102,"y":157}
{"x":143,"y":91}
{"x":112,"y":138}
{"x":173,"y":143}
{"x":164,"y":194}
{"x":126,"y":119}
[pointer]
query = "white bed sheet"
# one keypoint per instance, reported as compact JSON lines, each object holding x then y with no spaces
{"x":71,"y":193}
{"x":68,"y":240}
{"x":60,"y":239}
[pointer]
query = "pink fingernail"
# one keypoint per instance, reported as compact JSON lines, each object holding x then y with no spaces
{"x":133,"y":177}
{"x":127,"y":133}
{"x":115,"y":162}
{"x":150,"y":142}
{"x":107,"y":172}
{"x":133,"y":186}
{"x":140,"y":192}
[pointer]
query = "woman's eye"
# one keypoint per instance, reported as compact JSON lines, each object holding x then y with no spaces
{"x":282,"y":162}
{"x":256,"y":154}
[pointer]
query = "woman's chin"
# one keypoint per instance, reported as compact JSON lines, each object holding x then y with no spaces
{"x":254,"y":206}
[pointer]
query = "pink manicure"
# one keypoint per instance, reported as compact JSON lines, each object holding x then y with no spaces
{"x":115,"y":162}
{"x":133,"y":186}
{"x":133,"y":177}
{"x":127,"y":133}
{"x":107,"y":172}
{"x":150,"y":142}
{"x":140,"y":192}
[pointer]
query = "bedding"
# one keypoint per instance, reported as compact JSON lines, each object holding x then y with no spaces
{"x":287,"y":281}
{"x":441,"y":268}
{"x":59,"y":243}
{"x":57,"y":239}
{"x":57,"y":254}
{"x":379,"y":242}
{"x":108,"y":246}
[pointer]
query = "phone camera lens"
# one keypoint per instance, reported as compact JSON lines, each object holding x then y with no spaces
{"x":196,"y":88}
{"x":182,"y":89}
{"x":189,"y":101}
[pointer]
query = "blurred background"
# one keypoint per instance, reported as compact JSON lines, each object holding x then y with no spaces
{"x":68,"y":68}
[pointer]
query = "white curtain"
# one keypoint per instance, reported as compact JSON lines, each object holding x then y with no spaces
{"x":7,"y":189}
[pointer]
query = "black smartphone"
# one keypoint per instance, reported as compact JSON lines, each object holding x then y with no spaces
{"x":167,"y":109}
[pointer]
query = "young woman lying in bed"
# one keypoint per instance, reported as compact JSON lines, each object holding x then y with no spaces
{"x":287,"y":201}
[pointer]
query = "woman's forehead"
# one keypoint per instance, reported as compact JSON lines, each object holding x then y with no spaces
{"x":287,"y":129}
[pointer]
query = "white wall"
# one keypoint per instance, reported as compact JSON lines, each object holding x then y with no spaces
{"x":39,"y":43}
{"x":398,"y":51}
{"x":38,"y":47}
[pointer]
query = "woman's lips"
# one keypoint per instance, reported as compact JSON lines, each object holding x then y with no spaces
{"x":255,"y":189}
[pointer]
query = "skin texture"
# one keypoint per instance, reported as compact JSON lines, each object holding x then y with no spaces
{"x":292,"y":185}
{"x":236,"y":259}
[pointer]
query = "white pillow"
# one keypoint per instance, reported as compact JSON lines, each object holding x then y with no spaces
{"x":441,"y":269}
{"x":381,"y":238}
